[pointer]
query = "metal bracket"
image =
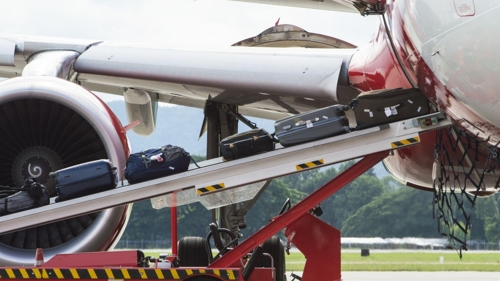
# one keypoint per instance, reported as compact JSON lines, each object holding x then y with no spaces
{"x":366,"y":9}
{"x":239,"y":215}
{"x":225,"y":108}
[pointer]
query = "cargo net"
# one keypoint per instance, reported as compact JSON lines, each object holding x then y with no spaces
{"x":457,"y":181}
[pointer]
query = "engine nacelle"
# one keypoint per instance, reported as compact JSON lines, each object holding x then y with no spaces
{"x":46,"y":124}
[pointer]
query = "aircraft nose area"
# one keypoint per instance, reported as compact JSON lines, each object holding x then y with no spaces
{"x":460,"y":50}
{"x":470,"y":71}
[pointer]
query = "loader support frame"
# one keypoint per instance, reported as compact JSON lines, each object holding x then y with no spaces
{"x":323,"y":255}
{"x":297,"y":220}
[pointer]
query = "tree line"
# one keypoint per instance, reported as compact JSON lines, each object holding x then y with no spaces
{"x":367,"y":207}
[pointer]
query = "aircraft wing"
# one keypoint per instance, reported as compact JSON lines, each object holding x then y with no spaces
{"x":264,"y":82}
{"x":362,"y":6}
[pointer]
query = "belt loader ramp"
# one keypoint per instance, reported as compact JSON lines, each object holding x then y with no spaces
{"x":301,"y":227}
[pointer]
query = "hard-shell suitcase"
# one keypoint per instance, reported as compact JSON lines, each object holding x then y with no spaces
{"x":32,"y":195}
{"x":312,"y":125}
{"x":385,"y":106}
{"x":84,"y":179}
{"x":246,"y":144}
{"x":156,"y":162}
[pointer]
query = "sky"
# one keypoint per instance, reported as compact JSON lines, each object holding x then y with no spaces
{"x":172,"y":22}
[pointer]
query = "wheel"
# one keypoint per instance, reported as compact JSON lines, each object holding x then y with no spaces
{"x":275,"y":248}
{"x":192,"y":251}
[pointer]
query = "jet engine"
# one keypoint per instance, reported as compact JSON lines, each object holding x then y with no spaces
{"x":46,"y":124}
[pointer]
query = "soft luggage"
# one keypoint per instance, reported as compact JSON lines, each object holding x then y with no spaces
{"x":246,"y":144}
{"x":156,"y":163}
{"x":32,"y":195}
{"x":386,"y":106}
{"x":84,"y":179}
{"x":312,"y":125}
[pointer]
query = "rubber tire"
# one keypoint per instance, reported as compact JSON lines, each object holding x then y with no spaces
{"x":192,"y":251}
{"x":275,"y":248}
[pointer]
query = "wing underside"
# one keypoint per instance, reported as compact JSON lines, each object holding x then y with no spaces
{"x":364,"y":7}
{"x":263,"y":82}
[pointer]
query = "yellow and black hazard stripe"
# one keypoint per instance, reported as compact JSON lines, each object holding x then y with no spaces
{"x":405,"y":142}
{"x":311,"y":164}
{"x":210,"y":188}
{"x":113,"y":273}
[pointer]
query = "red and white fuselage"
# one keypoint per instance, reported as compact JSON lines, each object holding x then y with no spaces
{"x":447,"y":49}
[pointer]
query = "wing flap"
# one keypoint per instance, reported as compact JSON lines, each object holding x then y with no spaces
{"x":295,"y":73}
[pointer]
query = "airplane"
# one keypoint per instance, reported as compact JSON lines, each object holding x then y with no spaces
{"x":50,"y":119}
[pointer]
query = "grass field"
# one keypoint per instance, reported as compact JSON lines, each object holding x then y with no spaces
{"x":404,"y":261}
{"x":410,"y":261}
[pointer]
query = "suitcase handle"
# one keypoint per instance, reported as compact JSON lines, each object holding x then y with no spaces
{"x":353,"y":104}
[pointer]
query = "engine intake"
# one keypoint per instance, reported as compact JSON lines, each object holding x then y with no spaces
{"x":47,"y":124}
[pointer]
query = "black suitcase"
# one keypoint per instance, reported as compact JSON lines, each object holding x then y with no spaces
{"x":386,"y":106}
{"x":156,"y":163}
{"x":312,"y":125}
{"x":32,"y":195}
{"x":246,"y":144}
{"x":84,"y":179}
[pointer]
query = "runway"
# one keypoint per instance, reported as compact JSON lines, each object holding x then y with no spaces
{"x":415,"y":276}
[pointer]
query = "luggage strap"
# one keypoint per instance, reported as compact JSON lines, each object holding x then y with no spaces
{"x":194,"y":162}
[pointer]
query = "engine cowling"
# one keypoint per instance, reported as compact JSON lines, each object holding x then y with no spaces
{"x":46,"y":124}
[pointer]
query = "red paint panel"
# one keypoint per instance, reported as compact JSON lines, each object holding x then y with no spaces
{"x":323,"y":256}
{"x":375,"y":66}
{"x":261,"y":274}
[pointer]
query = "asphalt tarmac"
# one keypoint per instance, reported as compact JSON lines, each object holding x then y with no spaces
{"x":416,"y":276}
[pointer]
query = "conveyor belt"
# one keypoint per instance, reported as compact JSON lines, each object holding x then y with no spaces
{"x":234,"y":173}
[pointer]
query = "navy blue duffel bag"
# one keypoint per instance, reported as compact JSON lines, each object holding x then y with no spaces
{"x":156,"y":163}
